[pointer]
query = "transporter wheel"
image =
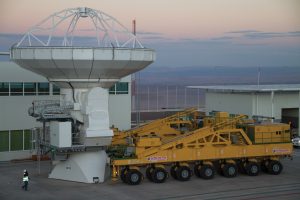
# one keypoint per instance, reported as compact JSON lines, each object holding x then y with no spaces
{"x":207,"y":172}
{"x":123,"y":175}
{"x":133,"y":177}
{"x":197,"y":169}
{"x":229,"y":170}
{"x":275,"y":167}
{"x":159,"y":175}
{"x":173,"y":171}
{"x":252,"y":169}
{"x":183,"y":173}
{"x":148,"y":173}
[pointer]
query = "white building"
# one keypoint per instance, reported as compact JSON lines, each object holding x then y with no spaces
{"x":281,"y":102}
{"x":19,"y":87}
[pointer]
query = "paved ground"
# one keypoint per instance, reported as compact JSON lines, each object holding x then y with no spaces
{"x":265,"y":186}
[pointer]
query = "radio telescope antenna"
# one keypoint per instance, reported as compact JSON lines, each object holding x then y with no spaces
{"x":84,"y":71}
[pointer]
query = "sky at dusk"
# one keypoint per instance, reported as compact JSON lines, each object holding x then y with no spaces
{"x":185,"y":32}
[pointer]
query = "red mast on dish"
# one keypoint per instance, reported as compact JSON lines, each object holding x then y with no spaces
{"x":134,"y":27}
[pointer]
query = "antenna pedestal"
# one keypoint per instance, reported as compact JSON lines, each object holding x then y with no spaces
{"x":86,"y":167}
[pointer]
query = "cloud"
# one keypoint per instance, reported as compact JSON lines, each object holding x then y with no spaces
{"x":243,"y":31}
{"x":242,"y":36}
{"x":194,"y":40}
{"x":295,"y":32}
{"x":155,"y":36}
{"x":148,"y":33}
{"x":266,"y":35}
{"x":215,"y":40}
{"x":255,"y":34}
{"x":223,"y":38}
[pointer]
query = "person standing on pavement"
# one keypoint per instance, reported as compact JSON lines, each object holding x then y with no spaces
{"x":25,"y":180}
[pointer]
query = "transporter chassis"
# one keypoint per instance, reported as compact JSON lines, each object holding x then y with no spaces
{"x":222,"y":148}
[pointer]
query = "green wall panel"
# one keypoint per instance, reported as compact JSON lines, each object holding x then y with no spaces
{"x":16,"y":140}
{"x":4,"y":141}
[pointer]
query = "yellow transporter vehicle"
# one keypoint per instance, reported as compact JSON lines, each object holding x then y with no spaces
{"x":224,"y":144}
{"x":165,"y":128}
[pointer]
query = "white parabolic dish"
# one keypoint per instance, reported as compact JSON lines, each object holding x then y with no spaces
{"x":83,"y":67}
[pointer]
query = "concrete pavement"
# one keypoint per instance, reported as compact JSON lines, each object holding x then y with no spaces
{"x":265,"y":186}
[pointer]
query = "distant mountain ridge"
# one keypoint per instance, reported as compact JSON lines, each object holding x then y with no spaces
{"x":196,"y":75}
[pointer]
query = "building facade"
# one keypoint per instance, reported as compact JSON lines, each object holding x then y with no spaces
{"x":20,"y":87}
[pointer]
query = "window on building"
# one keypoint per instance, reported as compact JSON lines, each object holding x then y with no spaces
{"x":27,"y":140}
{"x":16,"y":89}
{"x":122,"y":88}
{"x":16,"y":140}
{"x":29,"y":89}
{"x":119,"y":88}
{"x":4,"y":89}
{"x":4,"y":141}
{"x":55,"y":90}
{"x":43,"y":88}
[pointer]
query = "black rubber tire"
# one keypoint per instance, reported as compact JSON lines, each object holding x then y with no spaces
{"x":196,"y":170}
{"x":133,"y":177}
{"x":183,"y":173}
{"x":229,"y":170}
{"x":207,"y":172}
{"x":173,"y":171}
{"x":159,"y":175}
{"x":264,"y":166}
{"x":275,"y":167}
{"x":123,"y":175}
{"x":252,"y":168}
{"x":149,"y":173}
